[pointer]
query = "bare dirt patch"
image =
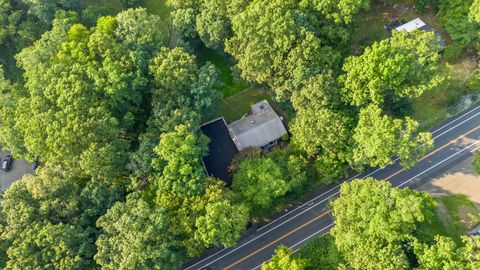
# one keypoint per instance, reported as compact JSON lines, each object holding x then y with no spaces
{"x":459,"y":179}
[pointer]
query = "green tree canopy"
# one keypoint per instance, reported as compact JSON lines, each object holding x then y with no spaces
{"x":48,"y":246}
{"x":136,"y":236}
{"x":182,"y":93}
{"x":283,"y":43}
{"x":446,"y":254}
{"x":283,"y":260}
{"x":179,"y":161}
{"x":374,"y":223}
{"x":453,"y":16}
{"x":378,"y":138}
{"x":49,"y":219}
{"x":84,"y":89}
{"x":403,"y":66}
{"x":475,"y":11}
{"x":258,"y":182}
{"x":222,"y":224}
{"x":320,"y":128}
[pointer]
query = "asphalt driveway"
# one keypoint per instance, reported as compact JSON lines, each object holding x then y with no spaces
{"x":20,"y":167}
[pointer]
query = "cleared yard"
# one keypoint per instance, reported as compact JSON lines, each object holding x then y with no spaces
{"x":236,"y":106}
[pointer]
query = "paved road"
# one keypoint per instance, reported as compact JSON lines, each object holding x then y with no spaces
{"x":455,"y":139}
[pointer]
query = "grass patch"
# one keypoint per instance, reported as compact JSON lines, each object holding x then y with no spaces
{"x":462,"y":216}
{"x":236,"y":106}
{"x":230,"y":86}
{"x":321,"y":253}
{"x":455,"y":215}
{"x":370,"y":27}
{"x":158,"y":7}
{"x":447,"y":99}
{"x":111,"y":6}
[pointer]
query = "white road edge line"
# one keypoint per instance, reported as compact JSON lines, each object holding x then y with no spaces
{"x":353,"y":177}
{"x":236,"y":248}
{"x":402,"y":184}
{"x":458,"y":152}
{"x":303,"y":240}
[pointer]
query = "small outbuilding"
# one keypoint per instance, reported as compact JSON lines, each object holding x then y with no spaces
{"x":418,"y":24}
{"x":261,"y":128}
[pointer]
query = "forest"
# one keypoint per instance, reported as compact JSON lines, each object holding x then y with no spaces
{"x":110,"y":101}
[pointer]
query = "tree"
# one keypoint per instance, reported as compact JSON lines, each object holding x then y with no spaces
{"x":452,"y":16}
{"x":325,"y":134}
{"x":45,"y":10}
{"x":475,"y":11}
{"x":258,"y":182}
{"x":179,"y":161}
{"x":374,"y":223}
{"x":183,"y":92}
{"x":446,"y":254}
{"x":139,"y":30}
{"x":403,"y":66}
{"x":212,"y":23}
{"x":136,"y":236}
{"x":222,"y":224}
{"x":48,"y":246}
{"x":49,"y":219}
{"x":283,"y":260}
{"x":342,"y":11}
{"x":379,"y":138}
{"x":273,"y":45}
{"x":84,"y":92}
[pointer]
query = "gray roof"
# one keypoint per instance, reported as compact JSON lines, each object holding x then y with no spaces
{"x":258,"y":129}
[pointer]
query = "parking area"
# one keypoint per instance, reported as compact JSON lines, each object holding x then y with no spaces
{"x":20,"y":167}
{"x":221,"y":149}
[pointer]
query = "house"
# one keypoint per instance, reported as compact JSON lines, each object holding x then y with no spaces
{"x":262,"y":127}
{"x":418,"y":24}
{"x":259,"y":129}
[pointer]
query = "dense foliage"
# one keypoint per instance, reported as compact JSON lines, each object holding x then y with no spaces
{"x":112,"y":107}
{"x":375,"y":228}
{"x":283,"y":260}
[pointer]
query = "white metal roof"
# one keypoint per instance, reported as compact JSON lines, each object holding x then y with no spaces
{"x":411,"y":25}
{"x":258,"y":129}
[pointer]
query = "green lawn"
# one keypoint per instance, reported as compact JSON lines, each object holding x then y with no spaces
{"x":158,"y":7}
{"x":230,"y":86}
{"x":455,"y":216}
{"x":236,"y":106}
{"x":462,"y":216}
{"x":112,"y":6}
{"x":371,"y":25}
{"x":435,"y":106}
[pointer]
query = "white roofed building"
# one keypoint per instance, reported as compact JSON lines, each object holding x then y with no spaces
{"x":261,"y":128}
{"x":418,"y":24}
{"x":412,"y":25}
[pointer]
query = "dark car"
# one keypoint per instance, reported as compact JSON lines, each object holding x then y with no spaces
{"x":7,"y":163}
{"x":35,"y":164}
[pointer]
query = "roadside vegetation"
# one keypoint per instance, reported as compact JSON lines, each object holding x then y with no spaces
{"x":428,"y":234}
{"x":110,"y":95}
